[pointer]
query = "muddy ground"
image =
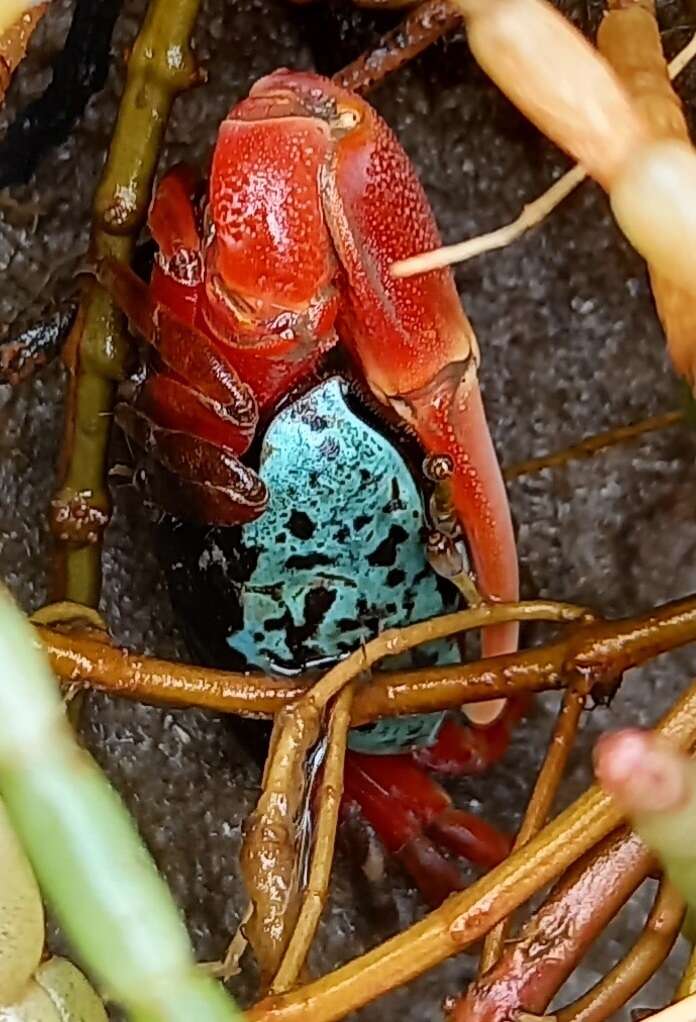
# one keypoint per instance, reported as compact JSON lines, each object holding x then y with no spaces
{"x":570,"y":346}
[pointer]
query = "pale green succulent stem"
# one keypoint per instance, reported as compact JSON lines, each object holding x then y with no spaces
{"x":91,"y":865}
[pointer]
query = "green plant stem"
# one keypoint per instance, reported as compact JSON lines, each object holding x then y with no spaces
{"x":85,"y":851}
{"x":160,"y":66}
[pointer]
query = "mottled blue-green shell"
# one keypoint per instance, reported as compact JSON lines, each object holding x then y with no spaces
{"x":338,"y":555}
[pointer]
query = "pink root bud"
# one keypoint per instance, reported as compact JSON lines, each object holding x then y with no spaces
{"x":643,"y":772}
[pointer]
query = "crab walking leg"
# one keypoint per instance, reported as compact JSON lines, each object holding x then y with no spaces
{"x":576,"y":99}
{"x":104,"y":888}
{"x":407,"y":807}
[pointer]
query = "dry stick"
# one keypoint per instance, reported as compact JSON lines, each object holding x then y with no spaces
{"x":642,"y":961}
{"x":420,"y":29}
{"x":531,"y":216}
{"x":328,"y":801}
{"x":541,"y":802}
{"x":600,"y":651}
{"x":465,"y":917}
{"x":591,"y":445}
{"x":269,"y":861}
{"x":161,"y":65}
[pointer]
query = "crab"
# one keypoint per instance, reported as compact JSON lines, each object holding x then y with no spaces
{"x":270,"y":287}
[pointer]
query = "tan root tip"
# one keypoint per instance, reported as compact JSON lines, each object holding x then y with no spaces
{"x":484,"y":714}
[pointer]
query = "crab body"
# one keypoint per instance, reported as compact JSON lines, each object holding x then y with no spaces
{"x":338,"y":555}
{"x":286,"y":254}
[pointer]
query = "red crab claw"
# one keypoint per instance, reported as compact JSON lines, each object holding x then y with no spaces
{"x":415,"y":344}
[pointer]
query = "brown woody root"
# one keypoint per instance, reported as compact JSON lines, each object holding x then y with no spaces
{"x":537,"y":963}
{"x":642,"y":961}
{"x":540,"y":802}
{"x":328,"y":802}
{"x":467,"y":916}
{"x":14,"y":41}
{"x":598,"y":652}
{"x":271,"y":848}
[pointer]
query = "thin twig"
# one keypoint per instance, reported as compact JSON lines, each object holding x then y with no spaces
{"x":419,"y":29}
{"x":541,"y":802}
{"x":632,"y":972}
{"x":531,"y":216}
{"x":533,"y":213}
{"x":591,"y":445}
{"x":467,"y":916}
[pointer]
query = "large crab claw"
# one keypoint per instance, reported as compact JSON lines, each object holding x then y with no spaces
{"x":411,"y":336}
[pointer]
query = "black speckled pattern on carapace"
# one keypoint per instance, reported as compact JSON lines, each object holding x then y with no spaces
{"x":570,"y":346}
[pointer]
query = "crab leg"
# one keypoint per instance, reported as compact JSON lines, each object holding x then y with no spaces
{"x":401,"y":834}
{"x":460,"y":751}
{"x":411,"y":813}
{"x":182,"y":348}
